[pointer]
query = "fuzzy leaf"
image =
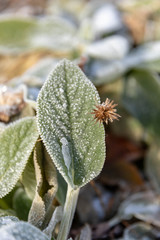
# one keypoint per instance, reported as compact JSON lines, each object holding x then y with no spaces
{"x":7,"y":220}
{"x":16,"y":144}
{"x":56,"y":218}
{"x":74,"y":141}
{"x":46,"y":177}
{"x":21,"y":231}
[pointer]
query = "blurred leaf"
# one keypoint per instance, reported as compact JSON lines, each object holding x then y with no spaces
{"x":41,"y":209}
{"x":21,"y":231}
{"x":86,"y":233}
{"x":73,"y":140}
{"x":11,"y":102}
{"x":126,"y":149}
{"x":21,"y":204}
{"x":140,"y":231}
{"x":151,"y":66}
{"x":141,"y":98}
{"x":102,"y":72}
{"x":106,"y":19}
{"x":152,"y":165}
{"x":110,"y":48}
{"x":14,"y":33}
{"x":36,"y":75}
{"x":16,"y":144}
{"x":121,"y":173}
{"x":28,"y":110}
{"x":144,"y":206}
{"x":7,"y":220}
{"x":7,"y":212}
{"x":21,"y":34}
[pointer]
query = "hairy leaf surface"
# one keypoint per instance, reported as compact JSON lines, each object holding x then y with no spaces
{"x":71,"y":136}
{"x":46,"y":188}
{"x":7,"y":220}
{"x":16,"y":144}
{"x":21,"y":231}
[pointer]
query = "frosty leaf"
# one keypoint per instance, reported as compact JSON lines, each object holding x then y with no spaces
{"x":152,"y":165}
{"x":144,"y":206}
{"x":16,"y":144}
{"x":140,"y":101}
{"x":139,"y":231}
{"x":19,"y":34}
{"x":110,"y":48}
{"x":21,"y":231}
{"x":7,"y":220}
{"x":74,"y":141}
{"x":15,"y":32}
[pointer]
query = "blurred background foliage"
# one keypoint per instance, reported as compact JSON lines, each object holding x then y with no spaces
{"x":117,"y":45}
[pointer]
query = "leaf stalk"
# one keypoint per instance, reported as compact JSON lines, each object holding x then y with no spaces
{"x":68,"y":213}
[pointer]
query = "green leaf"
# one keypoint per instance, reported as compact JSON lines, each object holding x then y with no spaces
{"x":21,"y":231}
{"x":46,"y":188}
{"x":21,"y":204}
{"x":7,"y":212}
{"x":16,"y":144}
{"x":15,"y":32}
{"x":71,"y":136}
{"x":29,"y":179}
{"x":152,"y":165}
{"x":21,"y":34}
{"x":141,"y":98}
{"x":62,"y":189}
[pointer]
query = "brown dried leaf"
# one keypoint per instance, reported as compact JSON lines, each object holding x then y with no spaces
{"x":11,"y":102}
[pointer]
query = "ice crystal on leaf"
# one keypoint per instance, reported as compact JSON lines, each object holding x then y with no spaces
{"x":16,"y":144}
{"x":75,"y":143}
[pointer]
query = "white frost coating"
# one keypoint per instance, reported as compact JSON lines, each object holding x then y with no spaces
{"x":7,"y":220}
{"x":16,"y":144}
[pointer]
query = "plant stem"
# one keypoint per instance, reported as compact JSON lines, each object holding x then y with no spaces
{"x":68,"y":213}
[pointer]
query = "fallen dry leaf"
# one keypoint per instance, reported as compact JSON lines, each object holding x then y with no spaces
{"x":11,"y":102}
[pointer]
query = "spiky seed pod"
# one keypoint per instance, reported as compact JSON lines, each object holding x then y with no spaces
{"x":106,"y":112}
